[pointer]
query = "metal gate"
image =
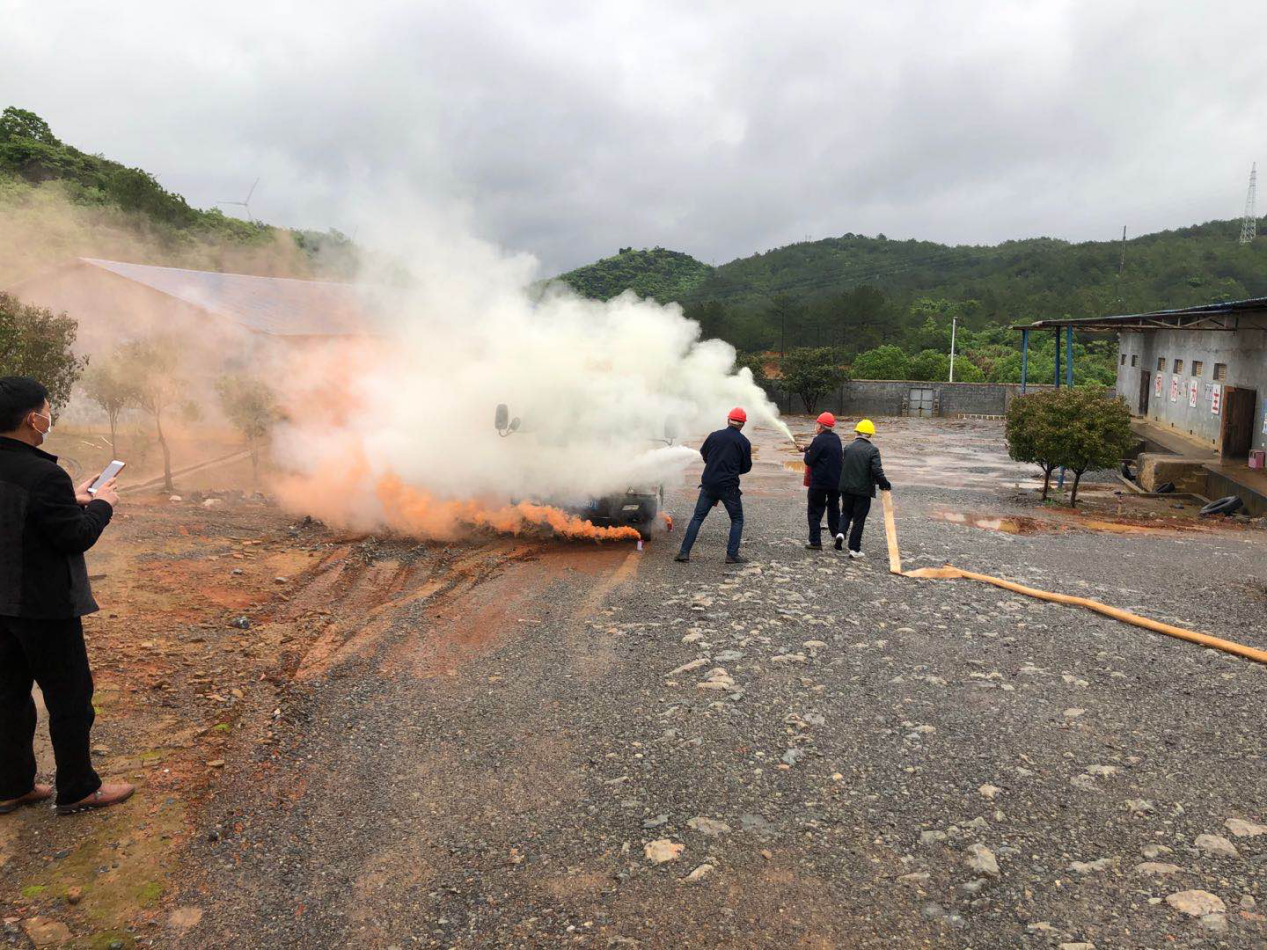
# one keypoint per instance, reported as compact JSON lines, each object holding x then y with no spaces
{"x":922,"y":402}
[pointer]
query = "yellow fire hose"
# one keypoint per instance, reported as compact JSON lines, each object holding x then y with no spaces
{"x":952,"y":573}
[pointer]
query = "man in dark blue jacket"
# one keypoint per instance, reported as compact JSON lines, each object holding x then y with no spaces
{"x":727,"y":455}
{"x":822,"y":464}
{"x":46,"y":525}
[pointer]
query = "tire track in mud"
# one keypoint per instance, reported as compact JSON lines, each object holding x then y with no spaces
{"x":355,"y":809}
{"x":373,"y":600}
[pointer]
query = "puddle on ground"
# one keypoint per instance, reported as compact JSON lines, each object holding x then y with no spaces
{"x":1006,"y":525}
{"x":1024,"y":525}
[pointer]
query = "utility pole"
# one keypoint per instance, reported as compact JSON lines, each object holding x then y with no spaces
{"x":1249,"y":222}
{"x":1121,"y":267}
{"x":954,"y":321}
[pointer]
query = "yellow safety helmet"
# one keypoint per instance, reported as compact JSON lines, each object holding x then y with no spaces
{"x":866,"y":427}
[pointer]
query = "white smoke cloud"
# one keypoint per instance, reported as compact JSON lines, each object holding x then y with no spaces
{"x":596,"y":385}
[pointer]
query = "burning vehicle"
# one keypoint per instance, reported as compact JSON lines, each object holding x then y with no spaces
{"x":639,"y":506}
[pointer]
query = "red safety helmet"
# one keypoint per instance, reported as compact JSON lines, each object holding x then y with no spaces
{"x":737,"y":415}
{"x":827,"y":419}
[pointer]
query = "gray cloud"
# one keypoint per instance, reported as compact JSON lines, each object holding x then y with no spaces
{"x":569,"y":129}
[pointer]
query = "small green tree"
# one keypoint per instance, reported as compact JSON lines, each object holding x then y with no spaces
{"x":1090,"y":431}
{"x":36,"y":342}
{"x":109,"y":385}
{"x":251,"y":405}
{"x":1076,"y":428}
{"x":966,"y":371}
{"x":930,"y":366}
{"x":1027,"y":430}
{"x":811,"y":373}
{"x":883,"y":362}
{"x":18,"y":123}
{"x":153,"y":365}
{"x":755,"y":364}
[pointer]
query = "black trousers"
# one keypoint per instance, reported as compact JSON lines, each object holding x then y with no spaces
{"x":853,"y":511}
{"x":820,"y":500}
{"x":51,"y":653}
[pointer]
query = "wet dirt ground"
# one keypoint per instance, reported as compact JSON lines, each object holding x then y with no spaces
{"x":496,"y":743}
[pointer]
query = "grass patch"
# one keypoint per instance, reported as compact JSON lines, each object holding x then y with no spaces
{"x":145,"y":863}
{"x":33,"y":891}
{"x":111,"y":938}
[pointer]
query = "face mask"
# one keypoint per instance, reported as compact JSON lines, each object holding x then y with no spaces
{"x":49,"y":431}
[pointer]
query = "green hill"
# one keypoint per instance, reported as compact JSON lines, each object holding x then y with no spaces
{"x":67,"y":202}
{"x":854,"y":291}
{"x":665,"y":275}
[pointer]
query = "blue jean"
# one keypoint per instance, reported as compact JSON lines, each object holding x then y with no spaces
{"x":731,"y":498}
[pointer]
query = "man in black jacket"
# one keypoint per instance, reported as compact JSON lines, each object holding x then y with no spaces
{"x":727,"y":455}
{"x":46,"y":525}
{"x":822,"y":464}
{"x":860,"y":473}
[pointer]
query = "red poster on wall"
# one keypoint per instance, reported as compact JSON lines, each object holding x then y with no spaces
{"x":1192,"y":394}
{"x":1174,"y":388}
{"x":1216,"y":398}
{"x":1157,"y":386}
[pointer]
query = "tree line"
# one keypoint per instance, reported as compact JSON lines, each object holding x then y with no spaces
{"x":917,"y":345}
{"x":149,"y":375}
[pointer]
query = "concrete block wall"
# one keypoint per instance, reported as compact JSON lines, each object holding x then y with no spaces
{"x":889,"y":397}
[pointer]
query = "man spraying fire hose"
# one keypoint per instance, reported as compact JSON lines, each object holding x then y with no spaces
{"x":860,"y":473}
{"x":727,"y":454}
{"x":823,"y":460}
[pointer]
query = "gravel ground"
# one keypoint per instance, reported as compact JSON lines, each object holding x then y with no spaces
{"x":609,"y":749}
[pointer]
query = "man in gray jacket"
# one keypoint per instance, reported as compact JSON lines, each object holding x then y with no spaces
{"x":860,"y":473}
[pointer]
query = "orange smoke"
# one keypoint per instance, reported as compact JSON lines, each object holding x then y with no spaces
{"x":417,"y":512}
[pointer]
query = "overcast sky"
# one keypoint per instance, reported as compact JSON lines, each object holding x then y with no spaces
{"x":572,"y":129}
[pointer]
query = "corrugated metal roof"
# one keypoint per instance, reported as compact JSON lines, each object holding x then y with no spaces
{"x":1212,"y":316}
{"x":279,"y":306}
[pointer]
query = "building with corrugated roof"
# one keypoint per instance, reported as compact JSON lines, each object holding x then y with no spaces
{"x":1194,"y":378}
{"x":115,"y":301}
{"x":1199,"y":372}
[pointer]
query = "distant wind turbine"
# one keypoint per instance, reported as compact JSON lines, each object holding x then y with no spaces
{"x":246,"y":204}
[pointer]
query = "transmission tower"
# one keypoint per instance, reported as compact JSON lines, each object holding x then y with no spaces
{"x":1249,"y":223}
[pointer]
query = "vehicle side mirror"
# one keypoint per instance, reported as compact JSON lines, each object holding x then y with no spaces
{"x":502,"y":419}
{"x":514,"y":424}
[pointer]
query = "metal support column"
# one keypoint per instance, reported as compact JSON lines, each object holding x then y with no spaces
{"x":1068,"y":356}
{"x":1024,"y":360}
{"x":1060,"y":485}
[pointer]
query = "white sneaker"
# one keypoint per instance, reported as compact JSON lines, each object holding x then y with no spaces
{"x":856,"y":554}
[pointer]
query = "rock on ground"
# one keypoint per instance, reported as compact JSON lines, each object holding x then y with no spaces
{"x":1196,"y":903}
{"x":662,"y":849}
{"x":981,"y":859}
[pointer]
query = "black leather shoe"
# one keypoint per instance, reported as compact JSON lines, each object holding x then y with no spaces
{"x":737,"y":559}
